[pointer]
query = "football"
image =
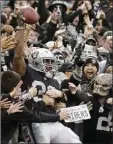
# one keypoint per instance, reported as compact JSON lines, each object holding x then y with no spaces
{"x":30,"y":15}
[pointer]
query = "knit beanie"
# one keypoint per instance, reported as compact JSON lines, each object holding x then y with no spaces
{"x":91,"y":60}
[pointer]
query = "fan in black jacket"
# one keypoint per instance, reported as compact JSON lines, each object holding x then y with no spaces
{"x":98,"y":129}
{"x":10,"y":122}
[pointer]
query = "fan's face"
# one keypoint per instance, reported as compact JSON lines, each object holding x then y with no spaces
{"x":90,"y":70}
{"x":68,"y":74}
{"x":33,"y":36}
{"x":76,"y":21}
{"x":58,"y":11}
{"x":110,"y":42}
{"x":99,"y":25}
{"x":100,"y":41}
{"x":47,"y":3}
{"x":60,"y":59}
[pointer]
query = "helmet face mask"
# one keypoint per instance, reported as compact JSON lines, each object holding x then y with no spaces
{"x":49,"y":67}
{"x":48,"y":63}
{"x":44,"y":61}
{"x":102,"y":85}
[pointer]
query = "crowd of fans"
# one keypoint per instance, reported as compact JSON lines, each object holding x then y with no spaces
{"x":64,"y":60}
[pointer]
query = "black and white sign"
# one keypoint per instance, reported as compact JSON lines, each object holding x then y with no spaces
{"x":77,"y":113}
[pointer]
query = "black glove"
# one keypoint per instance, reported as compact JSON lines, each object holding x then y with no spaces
{"x":77,"y":59}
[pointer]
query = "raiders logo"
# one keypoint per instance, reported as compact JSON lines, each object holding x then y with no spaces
{"x":34,"y":55}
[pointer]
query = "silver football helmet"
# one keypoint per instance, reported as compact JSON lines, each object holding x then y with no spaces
{"x":43,"y":60}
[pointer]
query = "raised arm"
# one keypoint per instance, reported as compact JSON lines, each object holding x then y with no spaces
{"x":43,"y":11}
{"x":79,"y":95}
{"x":19,"y":65}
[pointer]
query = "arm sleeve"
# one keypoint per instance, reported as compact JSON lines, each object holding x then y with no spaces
{"x":4,"y":116}
{"x":34,"y":115}
{"x":50,"y":32}
{"x":79,"y":97}
{"x":4,"y":96}
{"x":43,"y":12}
{"x":72,"y":15}
{"x":82,"y":96}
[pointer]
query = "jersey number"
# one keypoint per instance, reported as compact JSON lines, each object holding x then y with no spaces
{"x":40,"y":86}
{"x":108,"y":121}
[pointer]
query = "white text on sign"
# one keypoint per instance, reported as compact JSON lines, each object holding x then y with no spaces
{"x":77,"y":113}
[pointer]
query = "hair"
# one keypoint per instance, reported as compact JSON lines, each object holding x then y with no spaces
{"x":109,"y":64}
{"x":11,"y":4}
{"x":9,"y":80}
{"x":66,"y":67}
{"x":3,"y":19}
{"x":92,"y":60}
{"x":75,"y":5}
{"x":108,"y":33}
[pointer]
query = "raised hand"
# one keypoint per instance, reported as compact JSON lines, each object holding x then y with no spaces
{"x":87,"y":19}
{"x":16,"y":90}
{"x":5,"y":104}
{"x":101,"y":15}
{"x":15,"y":107}
{"x":73,"y":89}
{"x":54,"y":93}
{"x":20,"y":19}
{"x":110,"y":101}
{"x":63,"y":115}
{"x":33,"y":91}
{"x":8,"y":43}
{"x":89,"y":30}
{"x":48,"y":100}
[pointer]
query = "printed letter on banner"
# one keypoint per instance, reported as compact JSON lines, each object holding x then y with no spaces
{"x":77,"y":113}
